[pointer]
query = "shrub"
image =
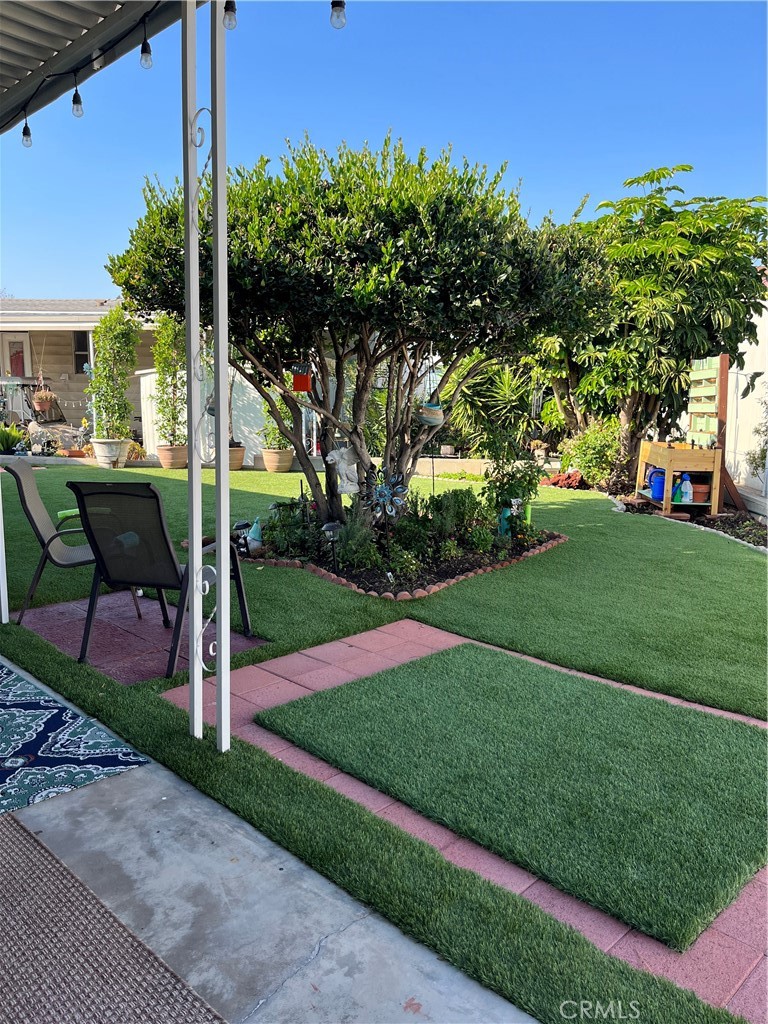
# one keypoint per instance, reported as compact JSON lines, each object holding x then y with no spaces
{"x":356,"y":545}
{"x":593,"y":452}
{"x":403,"y":564}
{"x":9,"y":438}
{"x":449,"y":550}
{"x":455,"y":514}
{"x":115,"y":340}
{"x":270,"y":432}
{"x":135,"y":452}
{"x":412,"y":532}
{"x":481,"y":539}
{"x":513,"y":474}
{"x":169,"y":353}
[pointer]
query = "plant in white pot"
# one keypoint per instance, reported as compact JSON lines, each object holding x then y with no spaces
{"x":169,"y":353}
{"x":115,"y":340}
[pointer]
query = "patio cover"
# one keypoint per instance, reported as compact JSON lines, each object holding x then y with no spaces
{"x":43,"y":43}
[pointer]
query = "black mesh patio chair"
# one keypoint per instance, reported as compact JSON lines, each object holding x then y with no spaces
{"x":55,"y":551}
{"x":126,"y":528}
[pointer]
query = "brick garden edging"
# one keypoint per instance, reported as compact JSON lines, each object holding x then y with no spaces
{"x":405,"y":595}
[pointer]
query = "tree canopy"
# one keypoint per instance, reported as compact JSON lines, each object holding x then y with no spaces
{"x":685,"y":284}
{"x":374,"y":268}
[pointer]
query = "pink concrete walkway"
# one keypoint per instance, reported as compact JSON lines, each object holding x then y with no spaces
{"x":122,"y":646}
{"x":726,"y":966}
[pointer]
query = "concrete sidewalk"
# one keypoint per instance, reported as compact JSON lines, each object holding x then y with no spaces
{"x":256,"y":932}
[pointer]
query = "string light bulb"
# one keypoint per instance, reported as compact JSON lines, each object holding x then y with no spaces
{"x":146,"y":51}
{"x":230,"y":14}
{"x":338,"y":13}
{"x":26,"y":134}
{"x":77,"y":103}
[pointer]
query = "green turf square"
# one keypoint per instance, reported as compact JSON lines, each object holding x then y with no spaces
{"x":651,"y":812}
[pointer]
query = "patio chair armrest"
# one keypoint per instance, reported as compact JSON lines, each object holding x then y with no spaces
{"x":66,"y":519}
{"x":60,"y":533}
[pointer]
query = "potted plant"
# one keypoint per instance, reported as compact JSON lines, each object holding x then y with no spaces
{"x":277,"y":451}
{"x":115,"y":340}
{"x":169,"y":353}
{"x":43,"y":398}
{"x":78,"y":442}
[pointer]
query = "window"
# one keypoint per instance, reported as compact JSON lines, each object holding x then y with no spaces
{"x":81,"y":350}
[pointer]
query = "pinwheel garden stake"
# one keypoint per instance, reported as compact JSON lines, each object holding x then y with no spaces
{"x":386,"y":498}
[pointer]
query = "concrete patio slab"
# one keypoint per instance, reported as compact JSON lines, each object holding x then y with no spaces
{"x":122,"y":646}
{"x":258,"y":934}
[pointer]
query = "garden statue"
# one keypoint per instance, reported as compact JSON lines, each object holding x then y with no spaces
{"x":344,"y":461}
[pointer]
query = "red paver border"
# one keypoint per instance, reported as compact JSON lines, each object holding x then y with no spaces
{"x":725,"y":966}
{"x":407,"y":595}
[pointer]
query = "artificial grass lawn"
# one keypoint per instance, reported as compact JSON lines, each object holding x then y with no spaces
{"x":634,"y":598}
{"x":648,"y":811}
{"x":491,"y":934}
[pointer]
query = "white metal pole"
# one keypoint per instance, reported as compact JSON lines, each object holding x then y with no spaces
{"x":221,"y":367}
{"x":192,"y":309}
{"x":4,"y":616}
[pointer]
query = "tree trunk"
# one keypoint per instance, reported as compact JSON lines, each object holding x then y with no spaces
{"x":622,"y":479}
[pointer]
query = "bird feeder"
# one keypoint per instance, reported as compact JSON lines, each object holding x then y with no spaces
{"x":302,"y":378}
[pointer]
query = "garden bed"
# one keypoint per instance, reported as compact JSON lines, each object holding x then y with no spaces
{"x":377,"y":583}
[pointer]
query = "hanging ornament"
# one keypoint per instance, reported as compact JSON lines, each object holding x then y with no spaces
{"x":302,"y":378}
{"x":430,"y":414}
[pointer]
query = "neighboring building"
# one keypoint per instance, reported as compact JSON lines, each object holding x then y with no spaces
{"x":56,"y":335}
{"x":744,"y":414}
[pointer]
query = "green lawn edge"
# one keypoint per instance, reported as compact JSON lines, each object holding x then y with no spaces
{"x":676,"y":840}
{"x":637,"y":599}
{"x":501,"y":940}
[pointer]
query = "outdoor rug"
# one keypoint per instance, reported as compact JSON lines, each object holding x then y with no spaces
{"x":66,"y":958}
{"x":47,"y":749}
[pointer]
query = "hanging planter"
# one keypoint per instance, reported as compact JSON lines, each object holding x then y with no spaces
{"x":430,"y":415}
{"x":302,"y":378}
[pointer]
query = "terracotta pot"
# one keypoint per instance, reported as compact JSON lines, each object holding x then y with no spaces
{"x":172,"y":456}
{"x":236,"y":458}
{"x":72,"y":453}
{"x":110,"y":453}
{"x":701,"y":492}
{"x":277,"y":460}
{"x":40,"y":405}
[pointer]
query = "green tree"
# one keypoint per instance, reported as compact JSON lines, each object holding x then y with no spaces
{"x":685,"y":285}
{"x":115,"y":340}
{"x":169,"y":354}
{"x":371,"y":267}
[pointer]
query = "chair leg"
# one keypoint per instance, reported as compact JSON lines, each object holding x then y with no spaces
{"x":164,"y":608}
{"x":90,"y":616}
{"x":181,"y":612}
{"x":237,"y":576}
{"x":136,"y":602}
{"x":32,"y":587}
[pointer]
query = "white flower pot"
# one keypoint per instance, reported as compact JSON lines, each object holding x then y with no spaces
{"x":110,"y":453}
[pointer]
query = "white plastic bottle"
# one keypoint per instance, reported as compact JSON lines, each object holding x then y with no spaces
{"x":686,"y":489}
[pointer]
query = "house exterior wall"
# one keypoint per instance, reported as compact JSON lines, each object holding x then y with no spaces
{"x":744,"y":414}
{"x":54,"y":352}
{"x":247,"y":414}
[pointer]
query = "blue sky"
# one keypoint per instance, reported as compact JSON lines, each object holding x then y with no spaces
{"x":575,"y":97}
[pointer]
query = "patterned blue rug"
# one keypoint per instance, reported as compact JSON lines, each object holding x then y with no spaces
{"x":47,"y":749}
